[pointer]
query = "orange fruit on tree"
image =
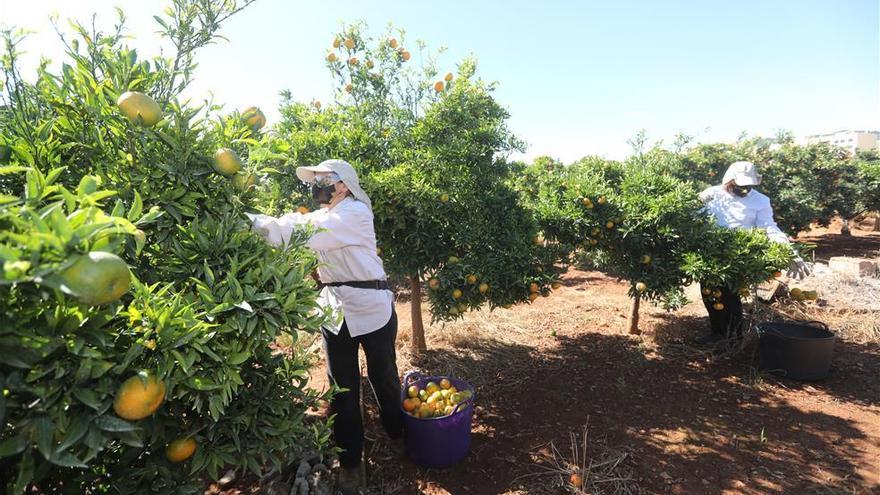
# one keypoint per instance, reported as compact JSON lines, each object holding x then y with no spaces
{"x":331,"y":57}
{"x":601,"y":200}
{"x":439,"y":86}
{"x":139,"y":108}
{"x":336,"y":43}
{"x":434,"y":283}
{"x":226,"y":162}
{"x":483,"y":288}
{"x":718,"y":306}
{"x":533,"y":296}
{"x":244,"y":182}
{"x":456,"y":294}
{"x":392,"y":42}
{"x":139,"y":396}
{"x":444,"y":198}
{"x":353,"y":61}
{"x":405,"y":55}
{"x":471,"y":279}
{"x":448,"y":77}
{"x":349,"y":43}
{"x":348,"y":88}
{"x":533,"y":287}
{"x":96,"y":278}
{"x":645,"y":259}
{"x":180,"y":449}
{"x":641,"y":287}
{"x":609,"y":225}
{"x":254,"y":118}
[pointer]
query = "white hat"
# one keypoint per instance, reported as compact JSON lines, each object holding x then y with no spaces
{"x":345,"y":172}
{"x":742,"y":173}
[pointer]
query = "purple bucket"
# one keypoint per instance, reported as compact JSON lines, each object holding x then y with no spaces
{"x":438,"y":442}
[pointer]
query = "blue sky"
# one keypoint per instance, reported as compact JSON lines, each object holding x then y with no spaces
{"x":578,"y":77}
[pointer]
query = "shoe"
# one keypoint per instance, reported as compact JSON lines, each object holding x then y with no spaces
{"x":350,"y":480}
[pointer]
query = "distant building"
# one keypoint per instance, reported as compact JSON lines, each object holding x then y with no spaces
{"x":851,"y":141}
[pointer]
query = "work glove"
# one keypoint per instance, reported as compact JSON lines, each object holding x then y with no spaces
{"x":799,"y":269}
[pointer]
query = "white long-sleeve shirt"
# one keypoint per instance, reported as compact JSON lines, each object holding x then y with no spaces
{"x":345,"y":244}
{"x":751,"y":211}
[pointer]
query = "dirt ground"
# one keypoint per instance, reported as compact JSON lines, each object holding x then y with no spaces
{"x":666,"y":416}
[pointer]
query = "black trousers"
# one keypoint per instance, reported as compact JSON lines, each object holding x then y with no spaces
{"x":726,"y":322}
{"x":343,"y":369}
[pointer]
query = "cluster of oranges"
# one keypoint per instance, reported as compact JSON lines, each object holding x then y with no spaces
{"x":435,"y":400}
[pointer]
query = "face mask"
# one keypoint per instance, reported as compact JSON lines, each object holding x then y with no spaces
{"x":323,"y":194}
{"x":742,"y":191}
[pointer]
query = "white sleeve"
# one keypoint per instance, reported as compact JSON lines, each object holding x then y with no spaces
{"x":277,"y":231}
{"x":348,"y":227}
{"x":765,"y":221}
{"x":707,"y":195}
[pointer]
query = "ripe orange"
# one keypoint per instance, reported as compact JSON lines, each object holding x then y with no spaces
{"x":483,"y":288}
{"x":408,"y":405}
{"x":471,"y":279}
{"x":348,"y":88}
{"x":254,"y":118}
{"x":180,"y":449}
{"x":641,"y":287}
{"x":139,"y":108}
{"x":601,"y":200}
{"x":445,"y":383}
{"x":439,"y":86}
{"x":456,"y":294}
{"x":336,"y":43}
{"x":392,"y":42}
{"x":448,"y":77}
{"x":226,"y":162}
{"x":302,"y":209}
{"x":97,"y":278}
{"x":533,"y":296}
{"x":576,"y":480}
{"x":609,"y":225}
{"x":139,"y":397}
{"x":707,"y":291}
{"x":353,"y":61}
{"x":718,"y":306}
{"x":533,"y":287}
{"x":434,"y":283}
{"x":331,"y":57}
{"x":645,"y":259}
{"x":444,"y":198}
{"x":405,"y":55}
{"x":349,"y":43}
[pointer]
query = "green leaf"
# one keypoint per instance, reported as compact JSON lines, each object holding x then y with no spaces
{"x":78,"y":429}
{"x":66,"y":459}
{"x":45,"y":432}
{"x":87,"y":397}
{"x":239,"y":358}
{"x":112,"y":423}
{"x":137,"y":208}
{"x":25,"y":474}
{"x":13,"y":445}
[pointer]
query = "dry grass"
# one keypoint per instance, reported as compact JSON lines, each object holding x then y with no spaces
{"x":583,"y":468}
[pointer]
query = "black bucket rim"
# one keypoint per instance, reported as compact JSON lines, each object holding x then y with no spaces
{"x":801,"y":323}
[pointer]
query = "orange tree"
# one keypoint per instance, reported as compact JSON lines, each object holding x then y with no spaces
{"x":128,"y":337}
{"x":639,"y":222}
{"x":430,"y":151}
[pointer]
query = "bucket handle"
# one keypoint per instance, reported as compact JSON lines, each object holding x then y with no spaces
{"x":461,"y":405}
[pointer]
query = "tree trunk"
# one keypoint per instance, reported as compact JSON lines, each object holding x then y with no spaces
{"x":844,"y":229}
{"x":633,"y":322}
{"x":418,"y":327}
{"x":877,"y":223}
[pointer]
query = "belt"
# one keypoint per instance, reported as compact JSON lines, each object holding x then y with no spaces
{"x":359,"y":284}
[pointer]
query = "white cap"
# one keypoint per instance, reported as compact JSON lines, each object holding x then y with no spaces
{"x":742,"y":174}
{"x":345,"y":172}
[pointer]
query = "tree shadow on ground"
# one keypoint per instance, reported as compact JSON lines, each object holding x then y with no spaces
{"x":692,"y":427}
{"x":830,"y":245}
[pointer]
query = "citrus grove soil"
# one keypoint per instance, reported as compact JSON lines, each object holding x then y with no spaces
{"x":682,"y":420}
